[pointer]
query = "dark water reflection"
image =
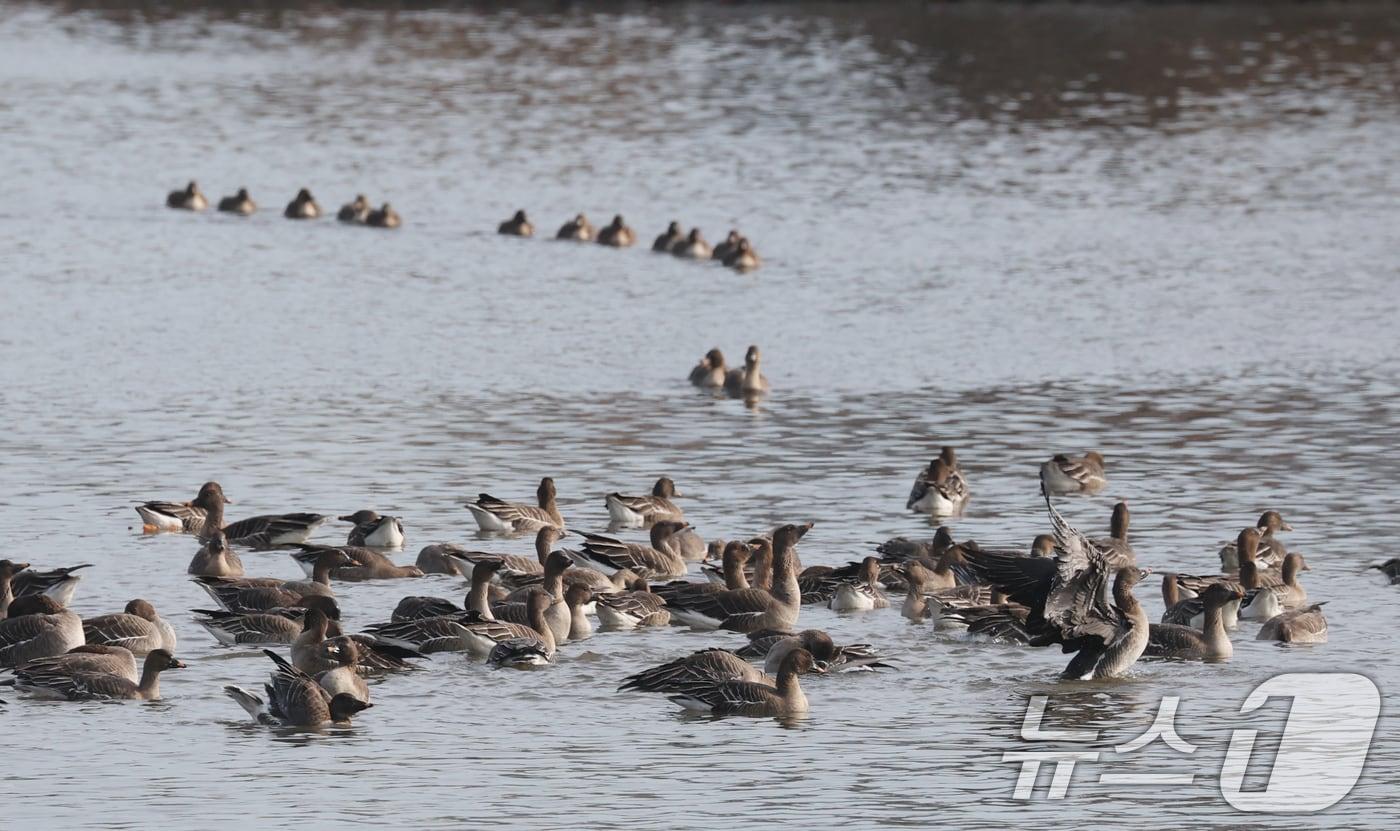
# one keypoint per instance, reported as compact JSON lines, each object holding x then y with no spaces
{"x":1165,"y":232}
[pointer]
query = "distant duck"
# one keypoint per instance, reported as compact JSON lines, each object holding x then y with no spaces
{"x":749,"y":379}
{"x":727,"y":247}
{"x":693,"y":247}
{"x":1064,"y":474}
{"x":617,"y":234}
{"x":356,"y":212}
{"x":385,"y":217}
{"x":374,"y":530}
{"x":710,"y":372}
{"x":240,"y":203}
{"x":666,"y":241}
{"x":577,"y":228}
{"x":516,"y":226}
{"x":303,"y":206}
{"x":743,"y":258}
{"x":189,"y":199}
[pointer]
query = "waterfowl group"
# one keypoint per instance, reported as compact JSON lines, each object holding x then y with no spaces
{"x":302,"y":206}
{"x":734,"y":252}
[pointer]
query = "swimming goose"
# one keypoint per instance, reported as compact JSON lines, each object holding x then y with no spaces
{"x":903,"y":549}
{"x":216,"y":559}
{"x":940,"y":490}
{"x":467,"y":631}
{"x":1247,"y":546}
{"x":295,"y":699}
{"x":1003,"y":623}
{"x":86,"y":686}
{"x":376,"y":656}
{"x":1191,"y":611}
{"x":355,"y":213}
{"x":693,"y":247}
{"x":617,"y":234}
{"x":8,"y":570}
{"x":1270,"y":552}
{"x":1390,"y":568}
{"x":515,"y":565}
{"x":1297,"y":626}
{"x":364,"y":563}
{"x":1210,"y":643}
{"x":609,"y":555}
{"x":257,"y":594}
{"x":1063,"y":474}
{"x":138,"y":629}
{"x":726,"y":246}
{"x":303,"y":206}
{"x":713,"y":664}
{"x":668,"y":239}
{"x":440,"y":558}
{"x":557,"y":615}
{"x":751,"y":698}
{"x":373,"y":530}
{"x":88,"y":658}
{"x":516,"y":226}
{"x":636,"y":511}
{"x":864,"y":593}
{"x":711,"y":371}
{"x":631,"y":609}
{"x":747,"y":610}
{"x":736,"y":555}
{"x":420,"y":607}
{"x":1067,"y":603}
{"x":748,"y":380}
{"x":37,"y":627}
{"x":533,"y":649}
{"x":493,"y":514}
{"x":578,"y":599}
{"x":577,"y":228}
{"x":344,"y":677}
{"x":57,"y":583}
{"x":833,"y":657}
{"x":272,"y":530}
{"x":923,"y":582}
{"x":680,"y":538}
{"x":1261,"y":601}
{"x":314,"y":629}
{"x":187,"y":517}
{"x":269,"y":628}
{"x":189,"y":199}
{"x":743,"y":258}
{"x":240,"y":203}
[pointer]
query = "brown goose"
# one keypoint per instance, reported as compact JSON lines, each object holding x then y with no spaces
{"x":1269,"y":553}
{"x":610,"y":555}
{"x":637,"y":511}
{"x":535,"y":648}
{"x":752,"y":698}
{"x":747,"y":610}
{"x":138,"y":629}
{"x":703,"y":665}
{"x":295,"y":699}
{"x":269,"y":628}
{"x":513,"y":566}
{"x":37,"y":626}
{"x":365,"y":563}
{"x":257,"y":594}
{"x":634,"y":608}
{"x":557,"y":615}
{"x":940,"y":488}
{"x":1298,"y":626}
{"x":733,"y":574}
{"x":374,"y":531}
{"x":1210,"y":643}
{"x":577,"y":598}
{"x":216,"y":559}
{"x":1190,"y":611}
{"x":493,"y":514}
{"x":1066,"y":597}
{"x":84,"y":686}
{"x":516,"y":226}
{"x":1264,"y":602}
{"x":103,"y":660}
{"x":467,"y":631}
{"x":344,"y":677}
{"x":775,"y":644}
{"x":187,"y":517}
{"x":420,"y":607}
{"x":711,"y":371}
{"x":1064,"y":474}
{"x":8,"y":570}
{"x":727,"y":246}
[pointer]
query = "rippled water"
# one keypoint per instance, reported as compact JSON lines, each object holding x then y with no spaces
{"x":1168,"y":233}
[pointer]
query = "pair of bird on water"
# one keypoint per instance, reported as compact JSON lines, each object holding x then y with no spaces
{"x":303,"y":206}
{"x":941,"y":489}
{"x":738,"y":382}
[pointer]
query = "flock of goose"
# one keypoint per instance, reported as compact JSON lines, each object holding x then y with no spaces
{"x":734,"y":252}
{"x":523,"y":611}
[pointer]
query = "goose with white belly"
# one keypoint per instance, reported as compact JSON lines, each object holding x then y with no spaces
{"x":940,"y":488}
{"x":609,"y":555}
{"x":1209,"y":643}
{"x":1262,"y":602}
{"x":497,"y":515}
{"x":1066,"y":474}
{"x":637,"y":511}
{"x":1269,"y":552}
{"x":748,"y":610}
{"x":373,"y":530}
{"x":862,"y":594}
{"x":752,"y":698}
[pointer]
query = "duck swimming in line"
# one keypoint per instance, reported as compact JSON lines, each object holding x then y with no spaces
{"x":577,"y":229}
{"x":668,"y":239}
{"x":303,"y":206}
{"x":189,"y":199}
{"x":516,"y":226}
{"x":356,"y":212}
{"x":617,"y":234}
{"x":240,"y":203}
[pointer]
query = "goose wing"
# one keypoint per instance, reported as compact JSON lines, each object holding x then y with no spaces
{"x":712,"y":664}
{"x":644,"y":560}
{"x":420,"y":607}
{"x":728,"y":696}
{"x":29,"y":582}
{"x":128,"y":631}
{"x":761,"y":642}
{"x":264,"y":531}
{"x":78,"y":686}
{"x":1169,"y":639}
{"x":734,"y":609}
{"x":514,"y":513}
{"x":280,"y":626}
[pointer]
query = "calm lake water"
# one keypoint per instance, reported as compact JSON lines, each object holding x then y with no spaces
{"x":1168,"y":233}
